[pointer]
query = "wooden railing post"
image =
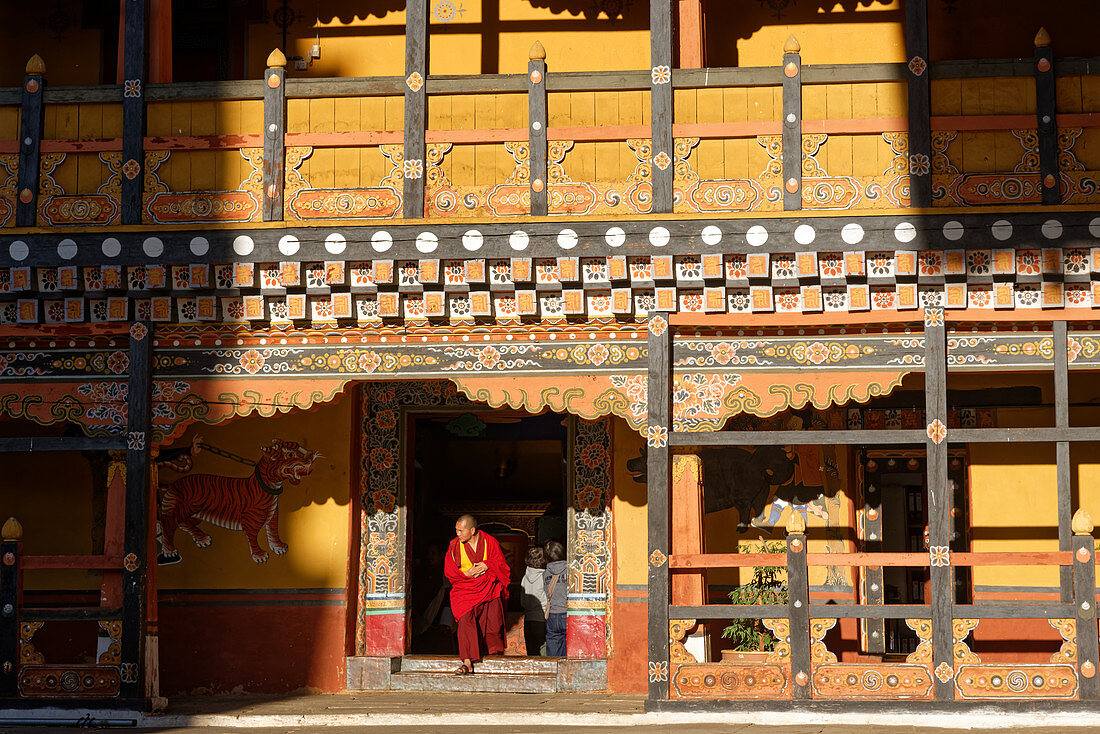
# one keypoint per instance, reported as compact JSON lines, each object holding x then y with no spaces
{"x":1084,"y":586}
{"x":416,"y":108}
{"x":874,"y":587}
{"x":661,"y":117}
{"x":30,"y":139}
{"x":792,"y":125}
{"x":659,"y":472}
{"x":133,"y":112}
{"x":939,"y":504}
{"x":920,"y":103}
{"x":11,"y":547}
{"x":798,"y":606}
{"x":536,"y":129}
{"x":274,"y":135}
{"x":1046,"y":122}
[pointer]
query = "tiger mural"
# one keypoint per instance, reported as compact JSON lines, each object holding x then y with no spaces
{"x":236,"y":503}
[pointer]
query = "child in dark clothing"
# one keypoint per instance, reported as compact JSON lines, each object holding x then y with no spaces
{"x":556,"y":585}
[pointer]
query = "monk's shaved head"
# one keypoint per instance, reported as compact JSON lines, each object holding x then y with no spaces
{"x":468,"y":521}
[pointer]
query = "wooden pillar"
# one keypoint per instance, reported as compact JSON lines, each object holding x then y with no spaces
{"x":11,"y":548}
{"x":114,"y":532}
{"x":691,"y":34}
{"x":30,"y":139}
{"x":920,"y":103}
{"x":875,"y":629}
{"x":1045,"y":111}
{"x":798,"y":607}
{"x":792,"y":125}
{"x":133,"y":111}
{"x":160,"y":41}
{"x":659,"y":470}
{"x":660,"y":41}
{"x":134,"y":563}
{"x":536,"y":129}
{"x":939,"y":504}
{"x":688,"y":589}
{"x":416,"y":107}
{"x":1084,"y":584}
{"x":1060,"y":348}
{"x":274,"y":135}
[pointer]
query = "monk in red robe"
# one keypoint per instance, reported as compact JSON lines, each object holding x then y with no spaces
{"x":479,"y":577}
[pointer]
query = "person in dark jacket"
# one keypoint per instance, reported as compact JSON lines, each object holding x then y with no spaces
{"x":556,"y":585}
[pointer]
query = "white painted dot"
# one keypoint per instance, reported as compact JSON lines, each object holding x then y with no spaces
{"x":756,"y":235}
{"x":1094,"y":227}
{"x":615,"y":237}
{"x":712,"y":235}
{"x":567,"y":239}
{"x":1052,"y":229}
{"x":381,"y":241}
{"x":905,"y":232}
{"x":473,"y":240}
{"x":200,"y":246}
{"x":659,"y":236}
{"x":852,"y":233}
{"x":289,"y":244}
{"x":153,"y":247}
{"x":426,"y":242}
{"x":953,"y":230}
{"x":66,"y":249}
{"x":19,"y":250}
{"x":1001,"y":229}
{"x":518,"y":240}
{"x":111,"y":247}
{"x":243,"y":245}
{"x":335,"y":243}
{"x":804,"y":234}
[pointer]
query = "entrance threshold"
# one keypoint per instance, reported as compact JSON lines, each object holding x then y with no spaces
{"x":493,"y":674}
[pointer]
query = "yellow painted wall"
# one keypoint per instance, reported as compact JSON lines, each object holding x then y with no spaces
{"x":313,"y":516}
{"x":628,"y":509}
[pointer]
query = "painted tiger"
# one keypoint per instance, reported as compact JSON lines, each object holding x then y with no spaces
{"x":236,"y":503}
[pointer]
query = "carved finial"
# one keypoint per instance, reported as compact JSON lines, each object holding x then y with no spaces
{"x":12,"y":530}
{"x":538,"y":52}
{"x":796,"y":524}
{"x":1042,"y":38}
{"x":1081,"y":524}
{"x":276,"y":60}
{"x":35,"y":65}
{"x":791,"y":46}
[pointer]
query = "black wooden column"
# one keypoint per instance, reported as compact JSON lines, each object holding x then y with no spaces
{"x":536,"y":129}
{"x":920,"y":103}
{"x":10,"y":549}
{"x":798,"y":607}
{"x":939,"y":503}
{"x":659,"y":470}
{"x":1045,"y":111}
{"x":133,"y":111}
{"x":1084,"y":584}
{"x":792,"y":125}
{"x":416,"y":107}
{"x":1060,"y":347}
{"x":660,"y":99}
{"x":134,"y":562}
{"x":875,"y":629}
{"x":30,"y":139}
{"x":274,"y":136}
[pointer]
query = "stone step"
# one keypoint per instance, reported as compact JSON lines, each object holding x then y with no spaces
{"x":511,"y":665}
{"x":476,"y":683}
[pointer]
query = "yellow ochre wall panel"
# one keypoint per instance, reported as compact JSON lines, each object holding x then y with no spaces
{"x":313,"y":516}
{"x":628,"y":509}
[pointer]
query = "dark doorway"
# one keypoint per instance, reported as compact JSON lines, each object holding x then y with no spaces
{"x":506,"y":468}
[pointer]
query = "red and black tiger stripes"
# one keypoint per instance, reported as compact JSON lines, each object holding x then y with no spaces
{"x":236,"y":503}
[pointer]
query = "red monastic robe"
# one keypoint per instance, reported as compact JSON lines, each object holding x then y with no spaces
{"x":466,"y":592}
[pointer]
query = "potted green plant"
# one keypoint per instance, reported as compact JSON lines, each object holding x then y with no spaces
{"x":764,"y":587}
